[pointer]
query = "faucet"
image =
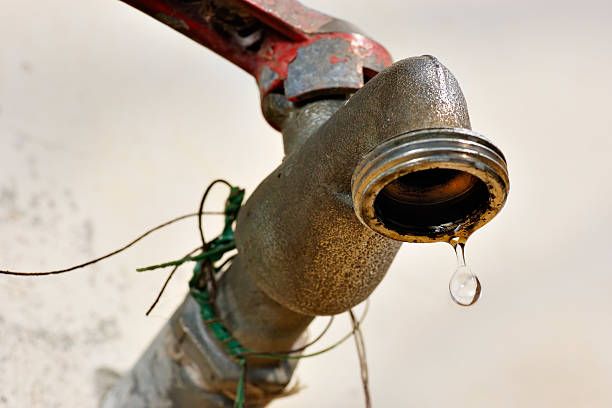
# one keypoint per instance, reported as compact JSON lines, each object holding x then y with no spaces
{"x":376,"y":154}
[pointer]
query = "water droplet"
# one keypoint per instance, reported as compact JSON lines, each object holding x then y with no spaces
{"x":464,"y":286}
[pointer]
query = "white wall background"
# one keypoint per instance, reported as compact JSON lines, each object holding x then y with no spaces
{"x":111,"y":123}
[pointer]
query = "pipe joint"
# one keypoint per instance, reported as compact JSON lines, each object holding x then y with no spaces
{"x":430,"y":185}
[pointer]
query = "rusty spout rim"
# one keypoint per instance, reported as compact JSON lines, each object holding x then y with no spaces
{"x":430,"y":185}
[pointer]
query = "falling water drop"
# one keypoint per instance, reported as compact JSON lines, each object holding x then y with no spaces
{"x":464,"y":286}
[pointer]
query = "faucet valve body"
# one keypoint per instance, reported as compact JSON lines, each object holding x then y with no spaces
{"x":374,"y":156}
{"x":398,"y":154}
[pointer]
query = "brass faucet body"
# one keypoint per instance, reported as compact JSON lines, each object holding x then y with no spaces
{"x":319,"y":233}
{"x":298,"y":234}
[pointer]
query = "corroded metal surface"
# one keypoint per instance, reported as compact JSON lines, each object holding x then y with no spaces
{"x":305,"y":121}
{"x":430,"y":185}
{"x":328,"y":66}
{"x":257,"y":321}
{"x":302,"y":251}
{"x":283,"y":44}
{"x":186,"y":366}
{"x":298,"y":233}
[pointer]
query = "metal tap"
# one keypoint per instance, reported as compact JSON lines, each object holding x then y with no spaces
{"x":375,"y":155}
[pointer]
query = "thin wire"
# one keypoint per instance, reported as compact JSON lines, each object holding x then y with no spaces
{"x":280,"y":356}
{"x":356,"y":332}
{"x":199,"y":257}
{"x":297,"y":350}
{"x":206,"y":265}
{"x":363,"y":362}
{"x":219,"y":269}
{"x":240,"y":400}
{"x":228,"y":260}
{"x":115,"y":252}
{"x":201,"y":207}
{"x":159,"y":295}
{"x":203,"y":247}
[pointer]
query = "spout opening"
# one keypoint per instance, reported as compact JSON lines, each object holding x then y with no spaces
{"x":448,"y":197}
{"x":430,"y":185}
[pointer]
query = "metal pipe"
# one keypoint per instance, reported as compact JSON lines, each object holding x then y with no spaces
{"x":185,"y":365}
{"x":316,"y":239}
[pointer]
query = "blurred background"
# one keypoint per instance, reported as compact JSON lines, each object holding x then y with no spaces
{"x":111,"y":123}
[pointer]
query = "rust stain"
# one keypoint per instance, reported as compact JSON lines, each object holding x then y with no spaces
{"x":334,"y":60}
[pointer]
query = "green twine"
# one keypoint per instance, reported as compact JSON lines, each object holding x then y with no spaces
{"x":218,"y":329}
{"x":220,"y":245}
{"x":212,"y":255}
{"x":217,"y":248}
{"x":239,"y":401}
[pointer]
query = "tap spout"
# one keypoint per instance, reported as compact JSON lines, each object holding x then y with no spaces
{"x":320,"y":232}
{"x":396,"y":162}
